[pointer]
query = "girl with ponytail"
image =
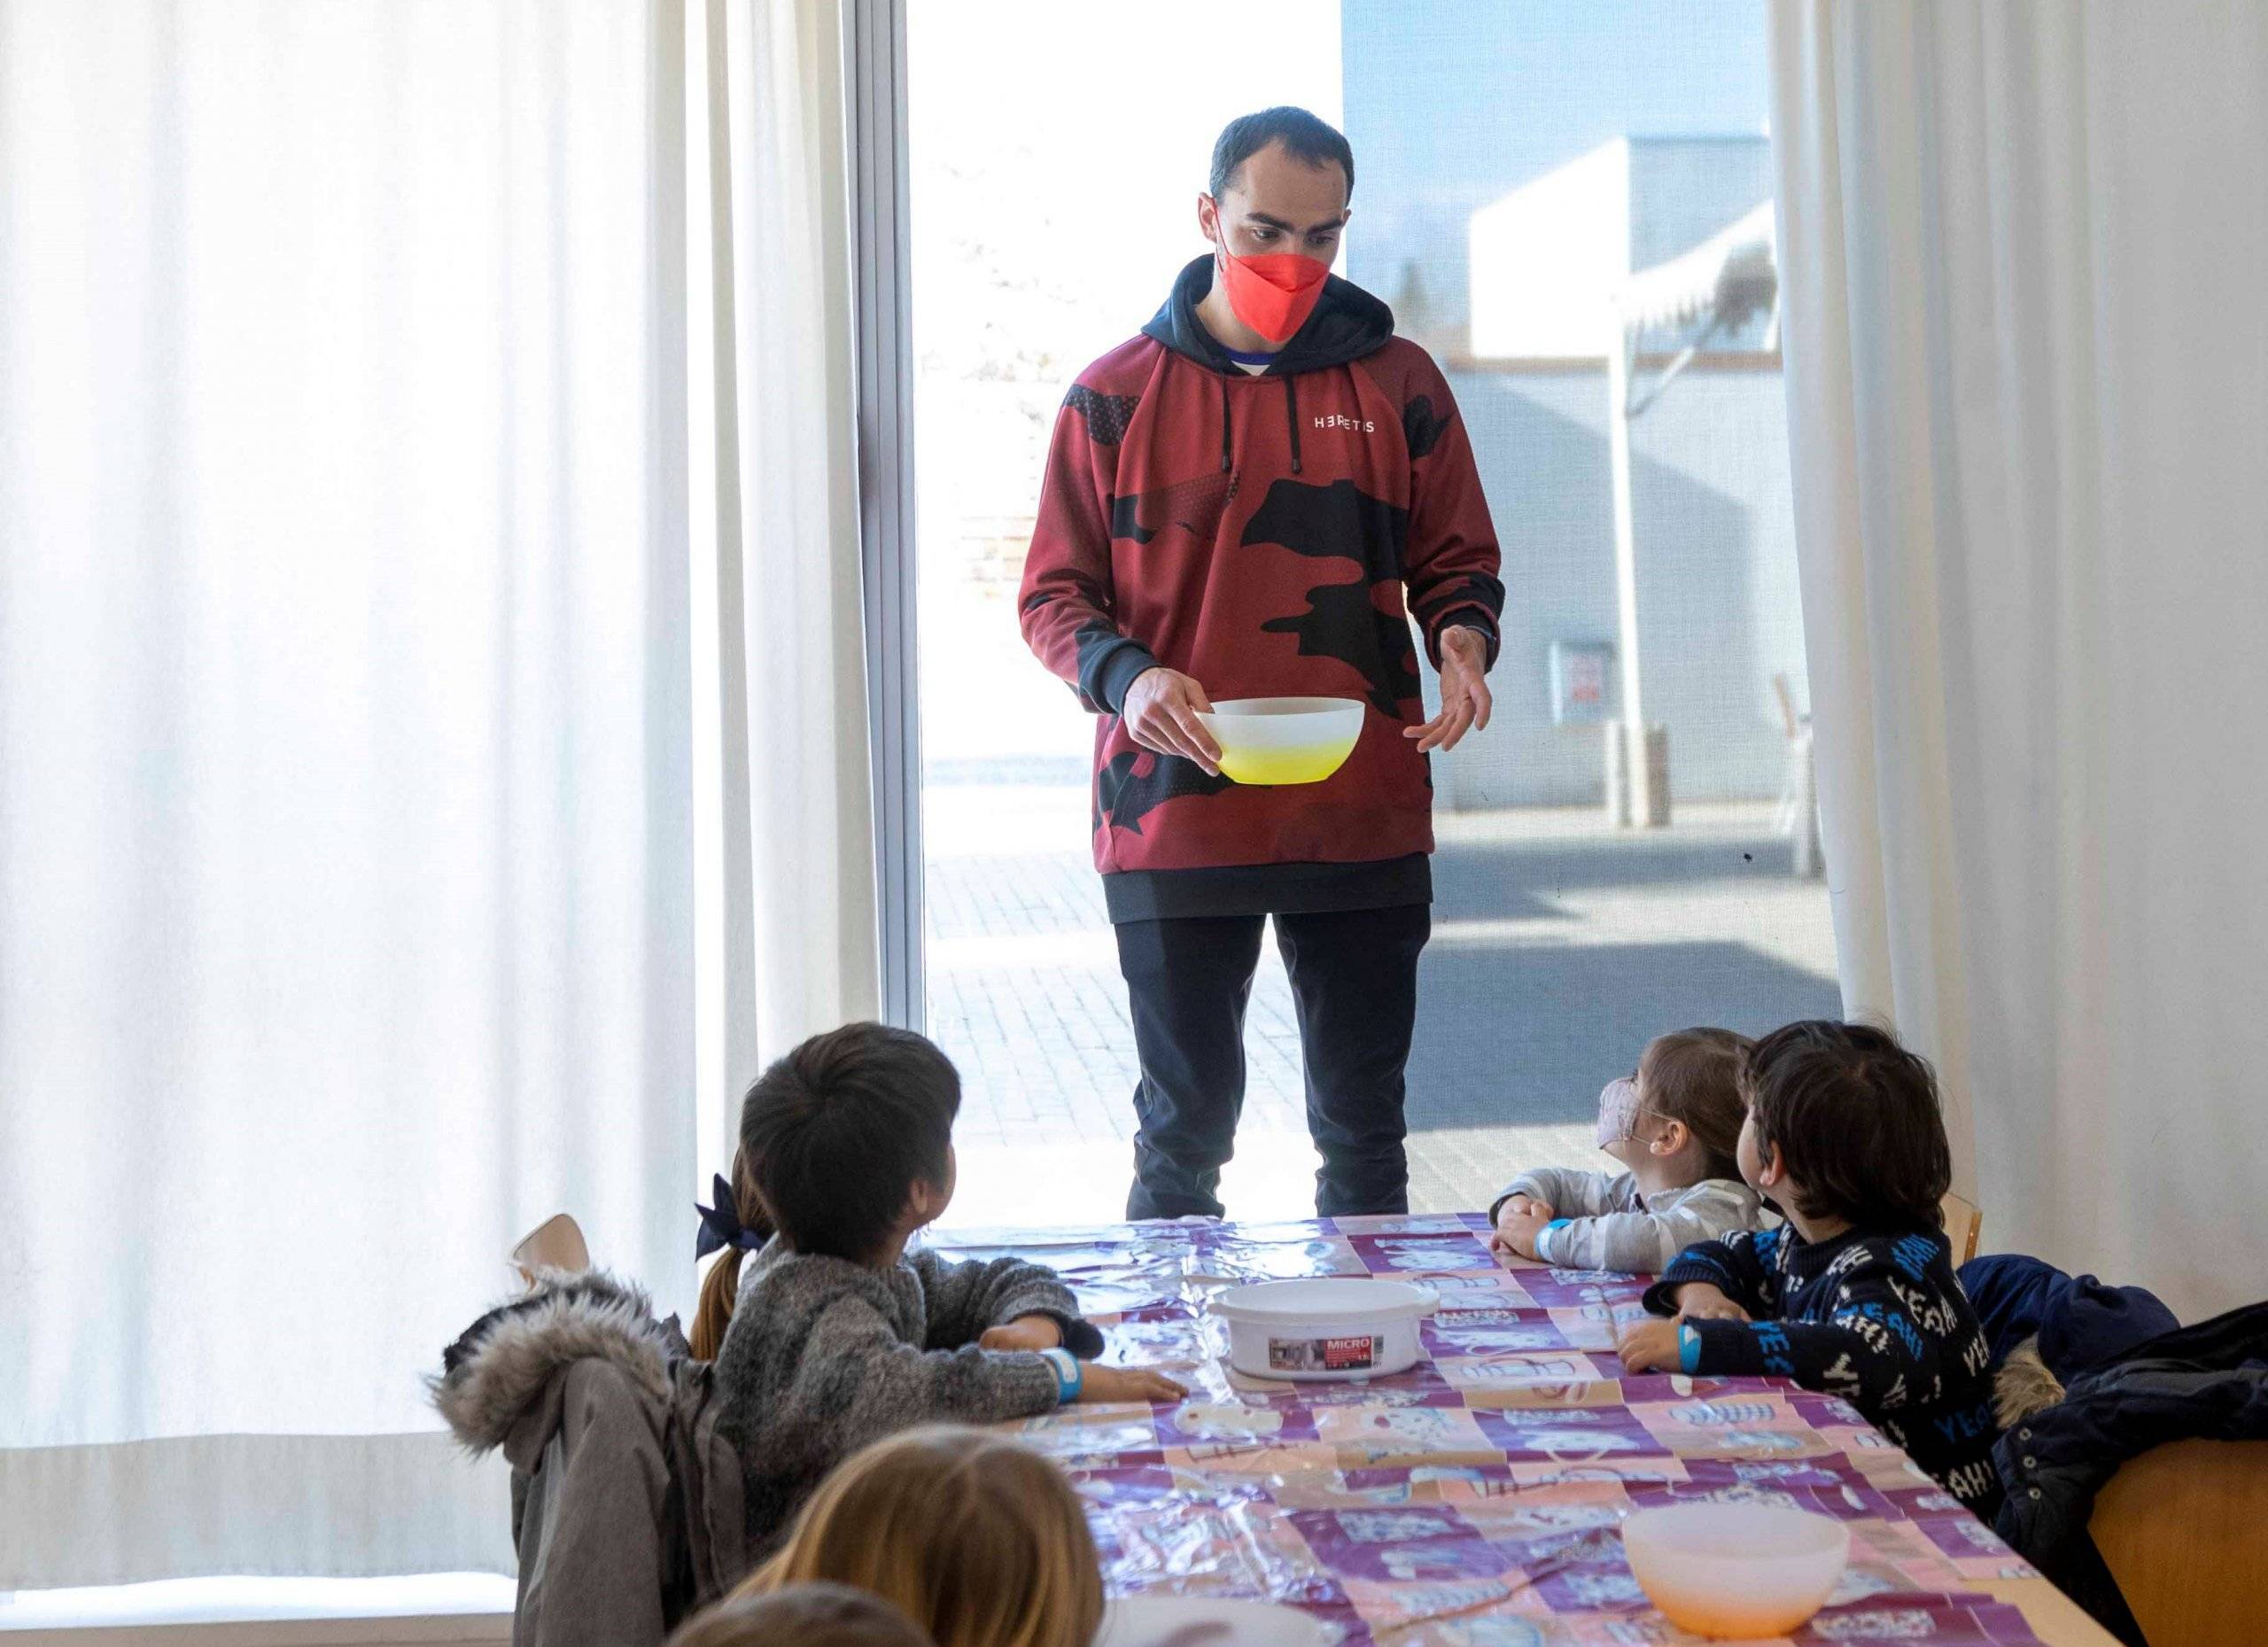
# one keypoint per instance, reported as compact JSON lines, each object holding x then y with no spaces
{"x":735,"y":1226}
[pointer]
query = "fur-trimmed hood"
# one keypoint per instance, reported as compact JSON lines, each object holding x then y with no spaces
{"x":503,"y":1365}
{"x":2023,"y":1385}
{"x":627,"y":1509}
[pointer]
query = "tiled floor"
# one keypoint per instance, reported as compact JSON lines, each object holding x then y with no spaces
{"x":1612,"y":937}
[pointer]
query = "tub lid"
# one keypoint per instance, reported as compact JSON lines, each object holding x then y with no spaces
{"x":1331,"y":1299}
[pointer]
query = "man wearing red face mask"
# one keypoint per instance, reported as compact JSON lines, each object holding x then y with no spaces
{"x":1252,"y":499}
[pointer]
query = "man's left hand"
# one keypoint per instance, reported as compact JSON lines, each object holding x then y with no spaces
{"x":1465,"y":691}
{"x":1024,"y":1332}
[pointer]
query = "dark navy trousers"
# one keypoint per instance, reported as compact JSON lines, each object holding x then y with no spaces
{"x":1354,"y":980}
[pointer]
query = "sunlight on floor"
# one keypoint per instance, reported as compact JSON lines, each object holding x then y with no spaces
{"x":1272,"y":1176}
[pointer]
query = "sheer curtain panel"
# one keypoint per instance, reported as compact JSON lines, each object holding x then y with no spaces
{"x":2022,"y":245}
{"x":346,"y":748}
{"x":788,"y":900}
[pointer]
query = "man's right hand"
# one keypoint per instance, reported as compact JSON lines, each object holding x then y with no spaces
{"x":1160,"y":713}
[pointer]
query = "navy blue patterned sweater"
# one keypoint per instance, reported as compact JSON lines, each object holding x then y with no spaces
{"x":1877,"y":1320}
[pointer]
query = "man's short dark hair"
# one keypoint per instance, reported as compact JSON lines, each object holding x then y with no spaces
{"x":1305,"y":138}
{"x":1857,"y":1123}
{"x":838,"y":1132}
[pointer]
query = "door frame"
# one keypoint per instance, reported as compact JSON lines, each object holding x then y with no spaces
{"x":882,"y":253}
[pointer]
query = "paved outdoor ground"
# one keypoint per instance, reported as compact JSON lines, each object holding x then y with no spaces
{"x":1559,"y":946}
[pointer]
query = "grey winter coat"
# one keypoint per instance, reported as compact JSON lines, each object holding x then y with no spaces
{"x":627,"y":1505}
{"x":824,"y":1356}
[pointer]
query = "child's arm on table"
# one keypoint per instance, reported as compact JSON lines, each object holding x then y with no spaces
{"x":1004,"y":1304}
{"x":856,"y":1376}
{"x":1870,"y":1350}
{"x":1638,"y":1242}
{"x":1723,"y":1281}
{"x":1726,"y":1278}
{"x":1536,"y":1197}
{"x":1568,"y":1193}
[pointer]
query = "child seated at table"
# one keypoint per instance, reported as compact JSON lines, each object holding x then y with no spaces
{"x":1855,"y":1294}
{"x":1672,"y":1128}
{"x":980,"y":1542}
{"x":839,"y":1334}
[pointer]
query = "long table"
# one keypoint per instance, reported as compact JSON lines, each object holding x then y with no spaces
{"x":1475,"y":1500}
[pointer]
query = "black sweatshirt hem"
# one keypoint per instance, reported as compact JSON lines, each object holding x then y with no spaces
{"x":1268,"y":889}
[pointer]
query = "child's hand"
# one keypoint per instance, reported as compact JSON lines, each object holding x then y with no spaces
{"x":1518,"y":1222}
{"x":1699,"y":1300}
{"x":1650,"y":1346}
{"x":1024,"y":1332}
{"x":1104,"y":1385}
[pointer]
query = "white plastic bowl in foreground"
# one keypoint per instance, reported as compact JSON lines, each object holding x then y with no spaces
{"x":1334,"y":1328}
{"x":1735,"y":1572}
{"x":1285,"y":740}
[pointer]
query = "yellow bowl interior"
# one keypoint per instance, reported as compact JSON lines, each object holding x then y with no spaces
{"x":1305,"y":763}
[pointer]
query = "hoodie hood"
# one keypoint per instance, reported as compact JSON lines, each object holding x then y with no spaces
{"x":1347,"y":324}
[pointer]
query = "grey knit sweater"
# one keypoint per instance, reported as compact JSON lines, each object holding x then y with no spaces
{"x":824,"y":1356}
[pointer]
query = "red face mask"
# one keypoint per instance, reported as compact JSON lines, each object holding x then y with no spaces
{"x":1274,"y":294}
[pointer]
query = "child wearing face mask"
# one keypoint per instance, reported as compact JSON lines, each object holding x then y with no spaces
{"x":1673,"y":1129}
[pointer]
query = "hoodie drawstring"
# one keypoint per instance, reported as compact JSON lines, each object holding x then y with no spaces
{"x":1291,"y":422}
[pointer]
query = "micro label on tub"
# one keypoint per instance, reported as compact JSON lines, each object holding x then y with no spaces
{"x":1323,"y":1354}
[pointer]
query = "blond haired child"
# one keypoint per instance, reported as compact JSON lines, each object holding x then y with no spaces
{"x":805,"y":1615}
{"x":1672,"y":1128}
{"x":979,"y":1541}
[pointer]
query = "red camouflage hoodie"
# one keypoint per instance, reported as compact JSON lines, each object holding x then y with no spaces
{"x":1257,"y":534}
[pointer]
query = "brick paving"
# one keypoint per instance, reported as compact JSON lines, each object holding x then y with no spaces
{"x":1024,"y":989}
{"x":1692,"y":925}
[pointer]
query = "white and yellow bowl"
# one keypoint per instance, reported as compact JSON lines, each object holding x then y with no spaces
{"x":1735,"y":1572}
{"x":1285,"y":740}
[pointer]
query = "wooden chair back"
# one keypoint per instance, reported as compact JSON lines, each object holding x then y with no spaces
{"x":2184,"y":1529}
{"x":556,"y":1244}
{"x":1964,"y":1225}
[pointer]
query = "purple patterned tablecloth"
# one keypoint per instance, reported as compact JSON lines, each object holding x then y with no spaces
{"x":1475,"y":1500}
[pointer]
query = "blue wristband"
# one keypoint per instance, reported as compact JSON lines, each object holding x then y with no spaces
{"x":1556,"y":1224}
{"x":1688,"y":1346}
{"x":1070,"y":1377}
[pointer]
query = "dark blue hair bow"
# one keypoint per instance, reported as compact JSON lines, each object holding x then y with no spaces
{"x":721,"y":1226}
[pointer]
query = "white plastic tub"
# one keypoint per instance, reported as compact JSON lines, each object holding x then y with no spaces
{"x":1335,"y":1328}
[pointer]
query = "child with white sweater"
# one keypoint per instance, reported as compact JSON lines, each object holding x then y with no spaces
{"x":1673,"y":1128}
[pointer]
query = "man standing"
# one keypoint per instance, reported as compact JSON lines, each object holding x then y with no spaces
{"x":1238,"y":502}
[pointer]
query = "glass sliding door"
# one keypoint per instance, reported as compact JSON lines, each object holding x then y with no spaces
{"x":1568,"y":203}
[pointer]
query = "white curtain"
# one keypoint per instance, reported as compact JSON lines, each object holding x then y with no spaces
{"x":775,"y":486}
{"x":367,"y":714}
{"x":2022,"y":246}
